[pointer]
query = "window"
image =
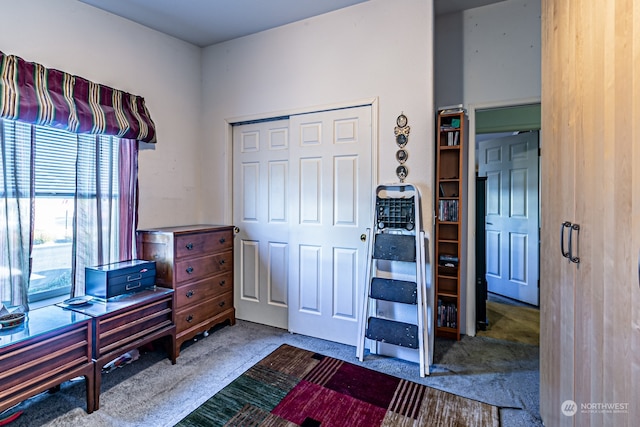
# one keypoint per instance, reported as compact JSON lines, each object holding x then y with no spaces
{"x":75,"y":178}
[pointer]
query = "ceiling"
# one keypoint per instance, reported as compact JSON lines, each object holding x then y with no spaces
{"x":207,"y":22}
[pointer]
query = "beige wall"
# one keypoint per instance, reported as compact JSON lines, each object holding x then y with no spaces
{"x":368,"y":51}
{"x":377,"y":49}
{"x":85,"y":41}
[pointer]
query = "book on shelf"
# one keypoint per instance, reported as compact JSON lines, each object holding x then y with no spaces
{"x":448,"y":210}
{"x":452,"y":138}
{"x":447,"y":314}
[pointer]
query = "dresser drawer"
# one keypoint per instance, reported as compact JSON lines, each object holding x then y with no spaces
{"x":195,"y":292}
{"x":42,"y":357}
{"x":129,"y":325}
{"x":199,"y":268}
{"x":189,"y":245}
{"x":202,"y":312}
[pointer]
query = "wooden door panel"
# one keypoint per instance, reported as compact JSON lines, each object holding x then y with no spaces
{"x":589,"y":320}
{"x":557,"y":275}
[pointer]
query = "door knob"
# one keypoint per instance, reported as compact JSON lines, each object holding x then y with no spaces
{"x":236,"y":230}
{"x":363,"y":237}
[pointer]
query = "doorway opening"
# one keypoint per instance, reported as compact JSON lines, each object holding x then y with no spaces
{"x":507,"y":220}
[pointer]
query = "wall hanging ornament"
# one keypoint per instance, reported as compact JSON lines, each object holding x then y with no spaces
{"x":401,"y":132}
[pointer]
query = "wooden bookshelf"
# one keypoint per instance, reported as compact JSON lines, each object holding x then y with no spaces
{"x":449,"y":214}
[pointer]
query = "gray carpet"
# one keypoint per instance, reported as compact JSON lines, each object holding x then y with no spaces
{"x":152,"y":392}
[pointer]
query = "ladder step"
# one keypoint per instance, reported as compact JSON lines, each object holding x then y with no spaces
{"x":394,"y":290}
{"x":395,"y":247}
{"x":392,"y":332}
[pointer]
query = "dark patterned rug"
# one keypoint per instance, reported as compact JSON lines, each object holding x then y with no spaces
{"x":295,"y":387}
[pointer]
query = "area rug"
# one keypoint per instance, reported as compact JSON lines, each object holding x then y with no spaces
{"x":512,"y":323}
{"x":295,"y":387}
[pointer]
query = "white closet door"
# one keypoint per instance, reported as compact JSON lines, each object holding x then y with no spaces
{"x":511,"y":167}
{"x":330,"y":208}
{"x":261,"y":212}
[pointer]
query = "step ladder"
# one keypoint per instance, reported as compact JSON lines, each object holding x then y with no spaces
{"x":396,"y":274}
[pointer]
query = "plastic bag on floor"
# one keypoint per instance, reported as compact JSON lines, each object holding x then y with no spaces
{"x":122,"y":360}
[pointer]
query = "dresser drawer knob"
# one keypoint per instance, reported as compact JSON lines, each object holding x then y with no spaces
{"x":190,"y":293}
{"x":221,"y":304}
{"x":189,"y":270}
{"x":221,"y":262}
{"x":189,"y":318}
{"x":222,"y":240}
{"x":189,"y":246}
{"x":222,"y":282}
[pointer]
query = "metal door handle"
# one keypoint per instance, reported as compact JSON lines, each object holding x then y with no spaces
{"x":576,"y":228}
{"x":489,"y":223}
{"x":363,"y":237}
{"x":566,"y":254}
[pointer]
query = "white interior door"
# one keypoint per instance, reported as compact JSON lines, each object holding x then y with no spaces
{"x":512,"y":234}
{"x":331,"y":207}
{"x":261,"y":212}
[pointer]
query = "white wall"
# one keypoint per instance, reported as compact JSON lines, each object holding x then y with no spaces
{"x":85,"y":41}
{"x":495,"y":49}
{"x":502,"y":52}
{"x":370,"y":50}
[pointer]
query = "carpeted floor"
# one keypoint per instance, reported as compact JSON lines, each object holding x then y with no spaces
{"x":152,"y":392}
{"x":512,"y":322}
{"x":293,"y":385}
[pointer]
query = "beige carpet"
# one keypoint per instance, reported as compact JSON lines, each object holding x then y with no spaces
{"x":512,"y":323}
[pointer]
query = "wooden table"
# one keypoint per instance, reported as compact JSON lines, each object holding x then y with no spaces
{"x":52,"y":346}
{"x":126,"y":322}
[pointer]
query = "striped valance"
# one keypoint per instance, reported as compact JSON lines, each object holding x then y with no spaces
{"x":31,"y":93}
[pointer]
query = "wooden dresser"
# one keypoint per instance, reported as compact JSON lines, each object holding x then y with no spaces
{"x":197,"y":262}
